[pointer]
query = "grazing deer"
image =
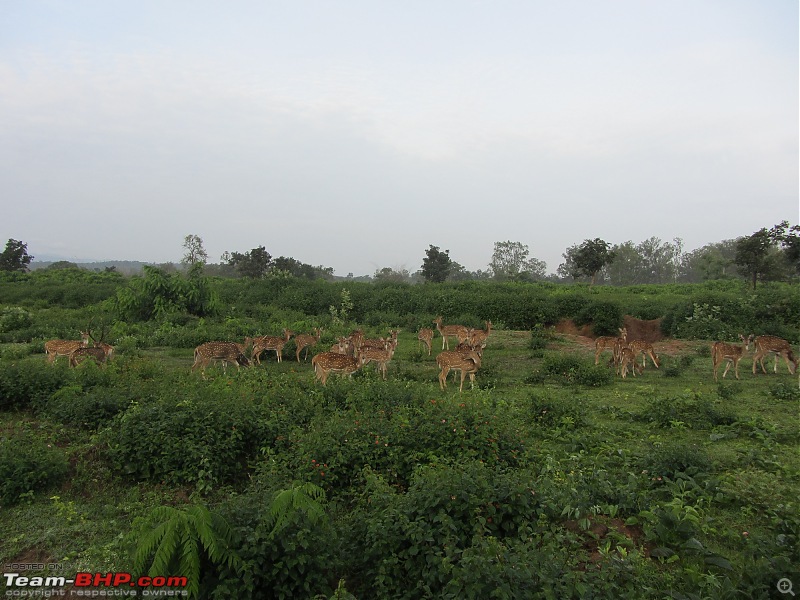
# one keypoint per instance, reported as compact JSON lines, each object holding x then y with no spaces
{"x":729,"y":352}
{"x":479,"y":336}
{"x":425,"y":336}
{"x":467,"y":363}
{"x":613,"y":343}
{"x":459,"y":332}
{"x":226,"y":352}
{"x":305,"y":341}
{"x":769,"y":344}
{"x":55,"y":348}
{"x":646,"y":349}
{"x":380,"y":357}
{"x":333,"y":362}
{"x":270,"y":342}
{"x":97,"y":353}
{"x":627,"y":359}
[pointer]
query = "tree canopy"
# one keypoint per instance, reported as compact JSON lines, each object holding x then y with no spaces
{"x":436,"y":264}
{"x":15,"y":257}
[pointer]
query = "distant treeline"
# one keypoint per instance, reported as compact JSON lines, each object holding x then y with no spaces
{"x":719,"y":309}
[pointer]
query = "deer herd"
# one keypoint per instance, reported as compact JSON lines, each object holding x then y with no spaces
{"x":353,"y":352}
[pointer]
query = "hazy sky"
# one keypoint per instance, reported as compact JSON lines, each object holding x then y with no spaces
{"x":354,"y":134}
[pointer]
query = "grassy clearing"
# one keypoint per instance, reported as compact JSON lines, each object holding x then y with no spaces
{"x":703,"y":475}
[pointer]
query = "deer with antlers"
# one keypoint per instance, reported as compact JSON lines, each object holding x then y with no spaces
{"x":55,"y":348}
{"x":770,"y":344}
{"x":270,"y":342}
{"x":304,"y":341}
{"x":731,"y":353}
{"x":459,"y":332}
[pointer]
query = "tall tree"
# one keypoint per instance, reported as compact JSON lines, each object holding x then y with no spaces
{"x":510,"y":261}
{"x":587,"y":259}
{"x":753,"y":255}
{"x":254,"y":263}
{"x":15,"y":257}
{"x":712,"y":261}
{"x":195,"y":253}
{"x":436,"y":265}
{"x":789,"y":238}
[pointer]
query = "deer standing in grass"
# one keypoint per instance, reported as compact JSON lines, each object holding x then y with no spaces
{"x":380,"y":356}
{"x":55,"y":348}
{"x":305,"y":341}
{"x":270,"y":342}
{"x":227,"y":352}
{"x":627,"y":359}
{"x":333,"y":362}
{"x":468,"y":363}
{"x":769,"y":344}
{"x":613,"y":343}
{"x":731,"y":353}
{"x":646,"y":349}
{"x":479,"y":336}
{"x":460,"y":332}
{"x":425,"y":336}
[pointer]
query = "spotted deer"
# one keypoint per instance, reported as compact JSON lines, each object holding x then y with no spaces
{"x":467,"y":363}
{"x":479,"y":336}
{"x":227,"y":352}
{"x":55,"y":348}
{"x":333,"y":362}
{"x":99,"y":354}
{"x":425,"y":336}
{"x":380,"y":356}
{"x":769,"y":344}
{"x":459,"y":332}
{"x":270,"y":342}
{"x":304,"y":341}
{"x":731,"y":353}
{"x":627,"y":359}
{"x":610,"y":343}
{"x":646,"y":349}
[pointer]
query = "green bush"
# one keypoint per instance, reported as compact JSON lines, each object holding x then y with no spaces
{"x":570,"y":369}
{"x":672,"y":458}
{"x":690,"y":410}
{"x":28,"y":380}
{"x":88,"y":409}
{"x":604,"y":316}
{"x":200,"y":439}
{"x":28,"y":464}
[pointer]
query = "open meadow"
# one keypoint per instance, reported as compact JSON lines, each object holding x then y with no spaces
{"x":551,"y":478}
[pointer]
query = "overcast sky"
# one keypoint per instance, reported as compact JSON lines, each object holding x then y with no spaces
{"x":354,"y":134}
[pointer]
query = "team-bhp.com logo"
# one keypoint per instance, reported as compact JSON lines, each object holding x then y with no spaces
{"x":94,"y":585}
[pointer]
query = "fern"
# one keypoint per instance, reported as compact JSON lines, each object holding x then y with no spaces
{"x":305,"y":497}
{"x":174,"y":545}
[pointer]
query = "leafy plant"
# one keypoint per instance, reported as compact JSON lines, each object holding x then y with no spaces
{"x":185,"y":540}
{"x":27,"y":465}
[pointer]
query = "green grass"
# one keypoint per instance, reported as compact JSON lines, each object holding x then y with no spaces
{"x":744,"y":436}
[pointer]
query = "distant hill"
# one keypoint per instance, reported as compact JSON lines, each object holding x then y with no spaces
{"x":126,"y":267}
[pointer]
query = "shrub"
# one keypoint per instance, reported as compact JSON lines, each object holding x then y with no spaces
{"x":571,"y":369}
{"x":605,"y":317}
{"x":29,"y":380}
{"x":208,"y":439}
{"x":670,"y":459}
{"x":86,"y":409}
{"x":28,"y":464}
{"x":689,"y":410}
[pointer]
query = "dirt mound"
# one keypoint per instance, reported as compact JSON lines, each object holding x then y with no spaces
{"x":649,"y":331}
